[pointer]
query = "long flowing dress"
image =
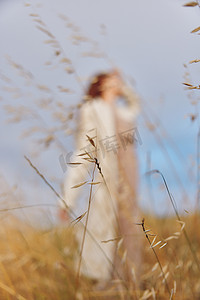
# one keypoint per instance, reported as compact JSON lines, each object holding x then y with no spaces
{"x":111,"y":247}
{"x":129,"y":214}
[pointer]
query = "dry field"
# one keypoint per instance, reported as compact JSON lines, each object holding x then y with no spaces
{"x":38,"y":264}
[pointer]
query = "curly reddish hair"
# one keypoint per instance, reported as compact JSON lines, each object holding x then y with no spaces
{"x":95,"y":88}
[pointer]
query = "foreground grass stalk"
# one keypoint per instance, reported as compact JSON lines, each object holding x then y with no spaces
{"x":96,"y":165}
{"x":11,"y":292}
{"x":163,"y":274}
{"x":84,"y":234}
{"x":178,"y":217}
{"x":68,"y":208}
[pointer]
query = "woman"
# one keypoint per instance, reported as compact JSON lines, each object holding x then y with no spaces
{"x":104,"y":143}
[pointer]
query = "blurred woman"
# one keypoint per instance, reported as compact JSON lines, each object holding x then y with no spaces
{"x":105,"y":140}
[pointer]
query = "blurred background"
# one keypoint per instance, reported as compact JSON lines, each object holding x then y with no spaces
{"x":48,"y":52}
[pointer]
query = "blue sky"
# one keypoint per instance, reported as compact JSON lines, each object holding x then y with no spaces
{"x":148,"y":40}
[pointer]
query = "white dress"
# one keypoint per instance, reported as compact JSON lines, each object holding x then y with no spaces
{"x":98,"y":121}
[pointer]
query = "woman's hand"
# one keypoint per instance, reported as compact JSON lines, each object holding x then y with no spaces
{"x":114,"y":83}
{"x":118,"y":82}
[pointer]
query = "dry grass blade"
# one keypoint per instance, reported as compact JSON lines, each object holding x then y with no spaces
{"x":90,"y":140}
{"x":187,"y":84}
{"x":78,"y":185}
{"x":147,"y":294}
{"x":193,"y":88}
{"x":154,"y":267}
{"x":152,"y":241}
{"x":182,"y":224}
{"x":172,"y":237}
{"x":27,"y":206}
{"x":84,"y":236}
{"x":42,"y":176}
{"x":163,"y":246}
{"x":158,"y":243}
{"x":11,"y":292}
{"x":78,"y":219}
{"x":195,"y":30}
{"x":112,"y":240}
{"x":94,"y":183}
{"x":33,"y":15}
{"x":43,"y":88}
{"x":194,"y":61}
{"x":51,"y":42}
{"x":85,"y":153}
{"x":46,"y":32}
{"x":74,"y":164}
{"x":89,"y":159}
{"x":191,"y":4}
{"x":65,"y":60}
